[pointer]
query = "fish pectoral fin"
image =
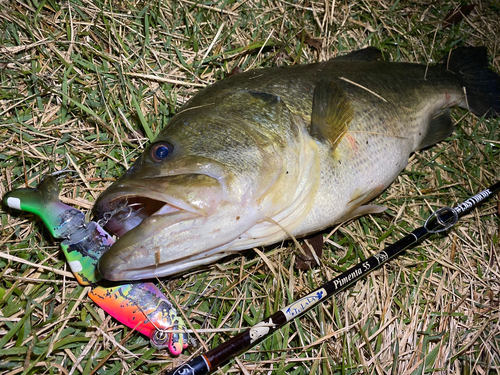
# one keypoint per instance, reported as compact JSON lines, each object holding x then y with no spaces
{"x":332,"y":113}
{"x":358,"y":197}
{"x":365,"y":54}
{"x":364,"y":210}
{"x":440,"y":127}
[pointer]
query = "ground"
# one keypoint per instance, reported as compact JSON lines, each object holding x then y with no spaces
{"x":86,"y":85}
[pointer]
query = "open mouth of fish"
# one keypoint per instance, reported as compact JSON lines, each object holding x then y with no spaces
{"x":166,"y":225}
{"x":132,"y":210}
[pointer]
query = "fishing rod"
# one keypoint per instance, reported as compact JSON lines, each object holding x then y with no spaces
{"x":440,"y":221}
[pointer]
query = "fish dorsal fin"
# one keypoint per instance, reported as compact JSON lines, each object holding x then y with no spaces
{"x":365,"y":54}
{"x":331,"y":113}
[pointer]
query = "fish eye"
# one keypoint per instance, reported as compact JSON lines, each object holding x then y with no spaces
{"x":160,"y":151}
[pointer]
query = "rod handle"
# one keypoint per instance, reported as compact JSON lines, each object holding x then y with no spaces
{"x":197,"y":366}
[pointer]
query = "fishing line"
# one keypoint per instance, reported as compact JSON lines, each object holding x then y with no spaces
{"x":439,"y":221}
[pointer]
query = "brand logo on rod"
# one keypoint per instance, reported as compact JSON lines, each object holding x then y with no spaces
{"x":303,"y":304}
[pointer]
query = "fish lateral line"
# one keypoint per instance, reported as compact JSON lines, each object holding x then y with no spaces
{"x":379,"y":134}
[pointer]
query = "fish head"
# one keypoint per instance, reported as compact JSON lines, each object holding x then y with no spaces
{"x":193,"y":192}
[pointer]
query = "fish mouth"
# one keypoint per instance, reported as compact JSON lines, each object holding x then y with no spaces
{"x":128,"y":210}
{"x":166,"y":225}
{"x":133,"y":209}
{"x":127,"y":203}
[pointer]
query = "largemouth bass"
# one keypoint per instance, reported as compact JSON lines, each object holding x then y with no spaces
{"x":273,"y":153}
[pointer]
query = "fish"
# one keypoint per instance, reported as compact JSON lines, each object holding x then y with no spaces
{"x":276,"y":153}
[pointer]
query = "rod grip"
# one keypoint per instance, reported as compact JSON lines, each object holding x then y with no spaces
{"x":196,"y":366}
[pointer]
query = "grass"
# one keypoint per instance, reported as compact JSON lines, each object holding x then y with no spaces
{"x":85,"y":85}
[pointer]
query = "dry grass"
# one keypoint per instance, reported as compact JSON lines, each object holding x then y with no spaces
{"x":93,"y":81}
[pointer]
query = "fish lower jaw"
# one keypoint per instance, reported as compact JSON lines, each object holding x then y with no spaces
{"x":173,"y":268}
{"x":165,"y":265}
{"x":166,"y":244}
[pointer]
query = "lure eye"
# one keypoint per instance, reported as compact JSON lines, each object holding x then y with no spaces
{"x":160,"y":151}
{"x":160,"y":338}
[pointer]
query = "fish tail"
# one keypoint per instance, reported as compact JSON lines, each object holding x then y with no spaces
{"x":482,"y":85}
